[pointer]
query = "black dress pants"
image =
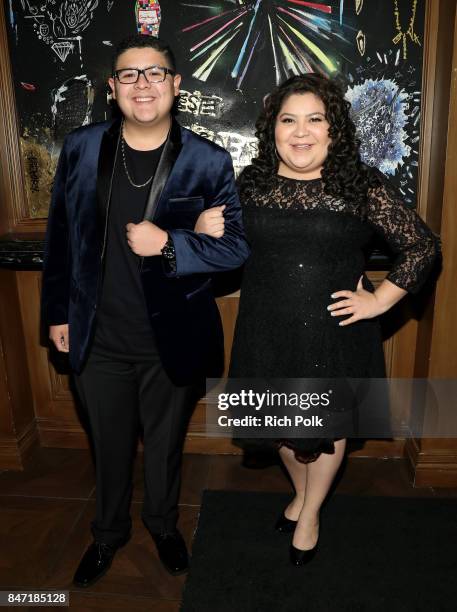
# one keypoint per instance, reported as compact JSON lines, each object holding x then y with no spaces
{"x":120,"y":397}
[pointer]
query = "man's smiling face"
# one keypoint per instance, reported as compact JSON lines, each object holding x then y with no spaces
{"x":145,"y":103}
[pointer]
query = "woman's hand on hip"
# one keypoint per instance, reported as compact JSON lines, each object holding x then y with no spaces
{"x":360,"y":304}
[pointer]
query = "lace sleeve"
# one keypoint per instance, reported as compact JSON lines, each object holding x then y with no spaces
{"x":416,"y":247}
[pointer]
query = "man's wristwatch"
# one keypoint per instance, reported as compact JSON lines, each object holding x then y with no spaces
{"x":169,"y":254}
{"x":168,"y":250}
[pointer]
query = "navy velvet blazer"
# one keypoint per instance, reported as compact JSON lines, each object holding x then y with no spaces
{"x":193,"y":174}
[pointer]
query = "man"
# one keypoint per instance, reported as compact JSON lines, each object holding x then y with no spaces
{"x":127,"y":292}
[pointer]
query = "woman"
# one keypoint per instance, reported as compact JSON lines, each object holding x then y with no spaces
{"x":310,"y":209}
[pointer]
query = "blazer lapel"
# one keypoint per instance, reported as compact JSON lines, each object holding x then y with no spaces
{"x":105,"y":169}
{"x":171,"y":150}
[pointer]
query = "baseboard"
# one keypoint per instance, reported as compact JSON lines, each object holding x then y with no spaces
{"x":15,"y":452}
{"x":60,"y":434}
{"x":381,"y":449}
{"x":437,"y":469}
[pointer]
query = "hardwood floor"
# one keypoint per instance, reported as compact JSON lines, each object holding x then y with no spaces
{"x":45,"y":515}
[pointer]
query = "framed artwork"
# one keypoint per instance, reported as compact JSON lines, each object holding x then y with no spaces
{"x":231,"y":54}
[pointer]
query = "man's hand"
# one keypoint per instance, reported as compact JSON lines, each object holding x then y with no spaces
{"x":59,"y":336}
{"x":145,"y":238}
{"x":211,"y":222}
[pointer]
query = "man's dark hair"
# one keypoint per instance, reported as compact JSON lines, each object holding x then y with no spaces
{"x":141,"y":41}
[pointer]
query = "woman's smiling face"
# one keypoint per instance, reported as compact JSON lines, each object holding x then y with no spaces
{"x":301,"y":136}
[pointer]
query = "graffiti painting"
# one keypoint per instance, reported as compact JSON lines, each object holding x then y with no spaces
{"x":231,"y":54}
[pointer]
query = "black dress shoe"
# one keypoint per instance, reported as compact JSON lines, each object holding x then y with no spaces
{"x":172,"y":552}
{"x":285,"y":525}
{"x":95,"y":563}
{"x":300,"y":557}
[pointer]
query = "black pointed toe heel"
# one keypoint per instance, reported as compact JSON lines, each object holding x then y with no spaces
{"x":285,"y":525}
{"x":300,"y":557}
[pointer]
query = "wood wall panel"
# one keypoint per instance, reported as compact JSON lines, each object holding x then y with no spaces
{"x":56,"y":414}
{"x":57,"y":417}
{"x":18,"y":431}
{"x":434,"y":462}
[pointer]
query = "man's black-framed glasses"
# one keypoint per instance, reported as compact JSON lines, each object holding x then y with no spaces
{"x":152,"y":74}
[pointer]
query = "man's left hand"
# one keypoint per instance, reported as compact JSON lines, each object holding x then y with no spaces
{"x":145,"y":238}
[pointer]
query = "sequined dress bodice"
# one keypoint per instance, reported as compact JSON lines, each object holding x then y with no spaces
{"x":305,"y":245}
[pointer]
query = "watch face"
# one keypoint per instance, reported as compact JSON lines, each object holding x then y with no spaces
{"x":168,"y":251}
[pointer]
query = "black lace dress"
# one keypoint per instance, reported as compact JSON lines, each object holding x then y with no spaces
{"x":307,"y":245}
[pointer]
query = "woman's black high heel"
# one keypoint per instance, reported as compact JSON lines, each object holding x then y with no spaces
{"x":285,"y":525}
{"x":300,"y":557}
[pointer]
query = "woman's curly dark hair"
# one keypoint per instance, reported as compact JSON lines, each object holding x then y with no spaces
{"x":344,"y":174}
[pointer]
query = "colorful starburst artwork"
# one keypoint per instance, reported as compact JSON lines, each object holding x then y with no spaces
{"x":298,"y":34}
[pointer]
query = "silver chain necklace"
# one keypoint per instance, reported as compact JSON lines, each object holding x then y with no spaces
{"x":125,"y":163}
